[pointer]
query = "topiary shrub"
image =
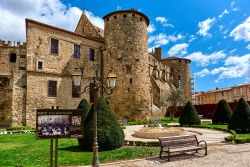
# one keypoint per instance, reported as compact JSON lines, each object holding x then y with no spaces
{"x":84,"y":106}
{"x":240,"y":120}
{"x":222,"y":113}
{"x":109,"y":133}
{"x":189,"y":116}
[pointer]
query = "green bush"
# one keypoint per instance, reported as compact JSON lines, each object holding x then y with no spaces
{"x":189,"y":115}
{"x":240,"y":120}
{"x":222,"y":113}
{"x":84,"y":106}
{"x":109,"y":132}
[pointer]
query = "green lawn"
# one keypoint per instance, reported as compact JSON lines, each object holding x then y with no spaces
{"x":23,"y":149}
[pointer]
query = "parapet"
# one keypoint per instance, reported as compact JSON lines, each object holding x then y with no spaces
{"x":12,"y":44}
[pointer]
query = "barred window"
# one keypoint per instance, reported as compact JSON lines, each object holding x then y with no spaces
{"x":91,"y":54}
{"x":75,"y":90}
{"x":77,"y":51}
{"x":54,"y":46}
{"x":52,"y":89}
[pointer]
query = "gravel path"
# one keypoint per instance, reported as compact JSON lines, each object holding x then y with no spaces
{"x":220,"y":155}
{"x":210,"y":136}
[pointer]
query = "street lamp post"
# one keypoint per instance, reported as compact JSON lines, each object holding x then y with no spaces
{"x":97,"y":88}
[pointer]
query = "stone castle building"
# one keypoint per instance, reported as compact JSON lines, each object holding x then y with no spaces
{"x":38,"y":73}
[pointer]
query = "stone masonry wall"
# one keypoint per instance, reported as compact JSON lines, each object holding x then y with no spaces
{"x":56,"y":67}
{"x":127,"y":55}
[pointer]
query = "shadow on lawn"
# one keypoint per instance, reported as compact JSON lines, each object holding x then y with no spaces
{"x":71,"y":149}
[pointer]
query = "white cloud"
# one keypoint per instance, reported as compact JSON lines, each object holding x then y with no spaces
{"x":53,"y":12}
{"x":234,"y":67}
{"x":225,"y":12}
{"x":96,"y":20}
{"x":248,"y":46}
{"x":168,"y":25}
{"x":151,"y":28}
{"x":163,"y":39}
{"x":192,"y":37}
{"x":205,"y":26}
{"x":242,"y":31}
{"x":232,"y":4}
{"x":232,"y":51}
{"x":221,"y":27}
{"x":204,"y":60}
{"x":161,"y":19}
{"x":202,"y":73}
{"x":178,"y":50}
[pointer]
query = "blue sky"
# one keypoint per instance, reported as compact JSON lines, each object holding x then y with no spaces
{"x":214,"y":34}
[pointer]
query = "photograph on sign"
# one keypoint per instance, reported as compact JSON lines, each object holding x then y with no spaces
{"x":58,"y":123}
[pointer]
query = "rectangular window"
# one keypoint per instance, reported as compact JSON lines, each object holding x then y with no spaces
{"x":128,"y":69}
{"x":91,"y":54}
{"x":52,"y":89}
{"x":54,"y":46}
{"x":241,"y":90}
{"x":77,"y":51}
{"x":39,"y":65}
{"x":75,"y":90}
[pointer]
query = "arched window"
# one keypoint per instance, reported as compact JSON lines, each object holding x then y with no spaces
{"x":179,"y":82}
{"x":13,"y":57}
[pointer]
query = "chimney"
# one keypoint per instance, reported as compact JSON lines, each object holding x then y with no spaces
{"x":158,"y":53}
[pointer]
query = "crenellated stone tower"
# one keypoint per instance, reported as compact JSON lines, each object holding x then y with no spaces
{"x":126,"y":42}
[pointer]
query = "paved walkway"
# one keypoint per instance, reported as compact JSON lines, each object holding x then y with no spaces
{"x":223,"y":155}
{"x":210,"y":136}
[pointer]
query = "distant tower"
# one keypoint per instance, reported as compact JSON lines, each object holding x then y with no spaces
{"x":126,"y":41}
{"x":180,"y":74}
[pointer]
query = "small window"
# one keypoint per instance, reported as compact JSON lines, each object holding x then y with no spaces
{"x":241,"y":90}
{"x":39,"y":65}
{"x":179,"y":61}
{"x":77,"y":51}
{"x":52,"y":89}
{"x":130,"y":81}
{"x":179,"y":81}
{"x":91,"y":54}
{"x":133,"y":15}
{"x":107,"y":19}
{"x":75,"y":90}
{"x":54,"y":46}
{"x":140,"y":18}
{"x":13,"y":57}
{"x":124,"y":15}
{"x":128,"y":69}
{"x":115,"y":17}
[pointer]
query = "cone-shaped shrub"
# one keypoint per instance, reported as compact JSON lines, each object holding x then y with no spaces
{"x":189,"y":115}
{"x":222,"y":113}
{"x":109,"y":132}
{"x":84,"y":106}
{"x":240,"y":120}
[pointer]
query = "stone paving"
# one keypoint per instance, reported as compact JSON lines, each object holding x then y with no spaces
{"x":210,"y":136}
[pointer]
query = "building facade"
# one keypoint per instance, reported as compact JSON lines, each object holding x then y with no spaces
{"x":232,"y":94}
{"x":38,"y":74}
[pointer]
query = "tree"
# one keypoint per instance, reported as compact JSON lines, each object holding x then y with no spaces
{"x":173,"y":101}
{"x":84,"y":106}
{"x":222,"y":113}
{"x":189,"y":115}
{"x":109,"y":133}
{"x":240,"y":120}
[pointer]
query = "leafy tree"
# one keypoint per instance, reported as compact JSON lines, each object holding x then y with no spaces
{"x":240,"y":120}
{"x":109,"y":132}
{"x":173,"y":101}
{"x":222,"y":113}
{"x":84,"y":106}
{"x":189,"y":115}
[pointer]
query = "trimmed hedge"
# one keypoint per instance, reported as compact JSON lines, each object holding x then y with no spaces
{"x":189,"y":115}
{"x":222,"y":113}
{"x":240,"y":120}
{"x":109,"y":132}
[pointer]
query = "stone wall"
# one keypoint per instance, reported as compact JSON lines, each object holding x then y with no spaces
{"x":57,"y":67}
{"x":126,"y":43}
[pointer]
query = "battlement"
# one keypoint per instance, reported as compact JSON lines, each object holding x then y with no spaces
{"x":12,"y":44}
